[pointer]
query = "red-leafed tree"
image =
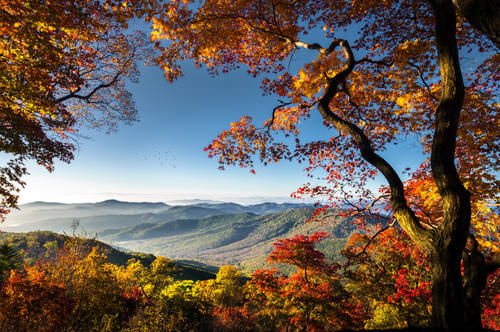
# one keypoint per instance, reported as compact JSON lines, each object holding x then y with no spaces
{"x":30,"y":301}
{"x":391,"y":277}
{"x":313,"y":298}
{"x":300,"y":252}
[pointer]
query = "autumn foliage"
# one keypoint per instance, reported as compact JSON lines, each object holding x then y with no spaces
{"x":64,"y":66}
{"x":383,"y":284}
{"x":379,"y":72}
{"x":31,"y":301}
{"x":313,"y":298}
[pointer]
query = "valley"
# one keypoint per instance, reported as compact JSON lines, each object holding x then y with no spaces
{"x":213,"y":233}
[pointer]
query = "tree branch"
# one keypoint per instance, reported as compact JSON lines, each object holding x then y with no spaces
{"x":274,"y":113}
{"x":363,"y":251}
{"x":376,"y":62}
{"x":420,"y":73}
{"x":366,"y":209}
{"x":483,"y":15}
{"x":393,"y":222}
{"x":91,"y":93}
{"x":493,"y":265}
{"x":405,"y":216}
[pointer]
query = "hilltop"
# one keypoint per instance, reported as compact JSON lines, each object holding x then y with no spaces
{"x":38,"y":245}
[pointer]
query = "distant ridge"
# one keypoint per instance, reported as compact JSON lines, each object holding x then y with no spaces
{"x":105,"y":202}
{"x":40,"y":203}
{"x":114,"y":202}
{"x":210,"y":232}
{"x":114,"y":214}
{"x":193,"y":201}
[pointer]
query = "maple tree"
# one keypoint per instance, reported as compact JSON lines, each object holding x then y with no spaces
{"x":64,"y":65}
{"x":30,"y":301}
{"x":391,"y":277}
{"x":300,"y":251}
{"x":400,"y":75}
{"x":313,"y":298}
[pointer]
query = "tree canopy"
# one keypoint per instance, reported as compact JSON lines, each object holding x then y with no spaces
{"x":63,"y":65}
{"x":421,"y":69}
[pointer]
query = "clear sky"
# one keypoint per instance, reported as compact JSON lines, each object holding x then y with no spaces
{"x":161,"y":157}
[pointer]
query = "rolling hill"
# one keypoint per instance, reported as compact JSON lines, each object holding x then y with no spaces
{"x":243,"y":239}
{"x":215,"y":233}
{"x":92,"y":224}
{"x":46,"y":245}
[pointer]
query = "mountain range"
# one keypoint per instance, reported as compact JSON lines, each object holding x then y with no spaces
{"x":215,"y":233}
{"x":94,"y":217}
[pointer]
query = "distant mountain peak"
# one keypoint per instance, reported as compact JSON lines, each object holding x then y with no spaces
{"x":112,"y":201}
{"x":35,"y":203}
{"x":194,"y":201}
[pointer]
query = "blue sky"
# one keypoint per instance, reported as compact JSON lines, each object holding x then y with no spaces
{"x":161,"y":158}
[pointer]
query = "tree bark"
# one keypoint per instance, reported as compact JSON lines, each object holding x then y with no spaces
{"x":447,"y":289}
{"x":446,"y":243}
{"x":476,"y":271}
{"x":474,"y":284}
{"x":484,"y":15}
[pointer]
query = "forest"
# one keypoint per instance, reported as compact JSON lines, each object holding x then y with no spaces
{"x":379,"y":73}
{"x":53,"y":282}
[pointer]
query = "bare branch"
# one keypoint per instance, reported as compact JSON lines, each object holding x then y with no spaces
{"x":376,"y":62}
{"x":269,"y":126}
{"x":421,"y":74}
{"x":383,"y":229}
{"x":366,"y":209}
{"x":91,"y":93}
{"x":363,"y":251}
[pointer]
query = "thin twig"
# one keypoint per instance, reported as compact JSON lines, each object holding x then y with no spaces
{"x":421,"y":74}
{"x":375,"y":62}
{"x":269,"y":126}
{"x":363,"y":252}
